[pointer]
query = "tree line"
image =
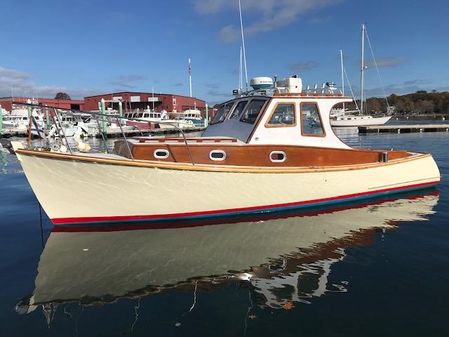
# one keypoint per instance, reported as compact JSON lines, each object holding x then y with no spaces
{"x":418,"y":103}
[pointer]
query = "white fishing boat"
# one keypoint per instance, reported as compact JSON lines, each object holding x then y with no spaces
{"x":150,"y":119}
{"x":194,"y":116}
{"x":19,"y":122}
{"x":263,"y":152}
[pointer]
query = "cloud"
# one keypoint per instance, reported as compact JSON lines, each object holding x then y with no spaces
{"x":385,"y":62}
{"x":16,"y":83}
{"x":209,"y":6}
{"x":212,"y":85}
{"x":216,"y":93}
{"x":270,"y":14}
{"x":178,"y":84}
{"x":12,"y":75}
{"x":127,"y":81}
{"x":303,"y":66}
{"x":419,"y":81}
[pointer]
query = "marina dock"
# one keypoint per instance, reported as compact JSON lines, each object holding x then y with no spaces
{"x":405,"y":128}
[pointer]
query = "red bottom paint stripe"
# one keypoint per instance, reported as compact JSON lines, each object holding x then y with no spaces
{"x":74,"y":220}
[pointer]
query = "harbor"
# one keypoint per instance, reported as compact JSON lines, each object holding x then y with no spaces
{"x":182,"y":168}
{"x":320,"y":271}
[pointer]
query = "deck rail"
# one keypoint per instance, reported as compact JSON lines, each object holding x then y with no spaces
{"x":101,"y":118}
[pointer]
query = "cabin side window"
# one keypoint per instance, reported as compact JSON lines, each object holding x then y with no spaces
{"x":252,"y":111}
{"x":238,"y":110}
{"x":311,"y":124}
{"x":283,"y":115}
{"x":220,"y":116}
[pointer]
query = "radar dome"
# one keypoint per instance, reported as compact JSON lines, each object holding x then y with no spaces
{"x":260,"y":83}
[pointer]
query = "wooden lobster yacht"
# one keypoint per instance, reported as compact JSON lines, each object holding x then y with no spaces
{"x":262,"y":153}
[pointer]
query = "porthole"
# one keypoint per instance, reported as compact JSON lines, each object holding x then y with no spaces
{"x":217,"y":155}
{"x":161,"y":154}
{"x":278,"y":156}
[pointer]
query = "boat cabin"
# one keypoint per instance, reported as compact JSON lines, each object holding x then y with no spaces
{"x":287,"y":128}
{"x":283,"y":119}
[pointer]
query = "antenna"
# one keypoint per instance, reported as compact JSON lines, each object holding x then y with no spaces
{"x":152,"y":96}
{"x":243,"y":46}
{"x":190,"y":78}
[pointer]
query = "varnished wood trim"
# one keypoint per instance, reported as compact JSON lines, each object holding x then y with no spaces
{"x":212,"y":168}
{"x":152,"y":140}
{"x":295,"y":116}
{"x":319,"y":115}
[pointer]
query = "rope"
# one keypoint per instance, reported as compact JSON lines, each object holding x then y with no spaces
{"x":377,"y":68}
{"x":350,"y":88}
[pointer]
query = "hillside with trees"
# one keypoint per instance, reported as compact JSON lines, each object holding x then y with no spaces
{"x":418,"y":103}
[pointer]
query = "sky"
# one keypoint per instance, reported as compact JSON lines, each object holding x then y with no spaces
{"x":87,"y":47}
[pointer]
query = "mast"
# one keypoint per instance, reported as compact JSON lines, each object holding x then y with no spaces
{"x":243,"y":46}
{"x":362,"y":72}
{"x":240,"y":72}
{"x":152,"y":97}
{"x":342,"y":76}
{"x":190,"y":78}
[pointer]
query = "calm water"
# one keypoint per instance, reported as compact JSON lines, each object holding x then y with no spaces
{"x":373,"y":269}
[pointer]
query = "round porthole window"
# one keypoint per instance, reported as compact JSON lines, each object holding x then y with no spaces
{"x":278,"y":156}
{"x":161,"y":154}
{"x":217,"y":155}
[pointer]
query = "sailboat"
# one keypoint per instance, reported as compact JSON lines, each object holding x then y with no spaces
{"x":345,"y":118}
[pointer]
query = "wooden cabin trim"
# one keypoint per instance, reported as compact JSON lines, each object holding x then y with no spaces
{"x":319,"y":115}
{"x":295,"y":115}
{"x":240,"y":154}
{"x":212,"y":168}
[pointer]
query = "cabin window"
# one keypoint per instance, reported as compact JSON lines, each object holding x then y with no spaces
{"x":252,"y":111}
{"x":220,"y":116}
{"x":146,"y":115}
{"x":278,"y":156}
{"x":161,"y":154}
{"x":217,"y":155}
{"x":311,"y":124}
{"x":283,"y":115}
{"x":238,"y":110}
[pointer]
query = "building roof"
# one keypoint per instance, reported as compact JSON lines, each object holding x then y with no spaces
{"x":141,"y":93}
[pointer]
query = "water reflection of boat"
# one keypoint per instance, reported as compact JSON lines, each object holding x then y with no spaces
{"x":295,"y":252}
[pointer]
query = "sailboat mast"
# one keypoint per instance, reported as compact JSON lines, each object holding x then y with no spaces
{"x":240,"y":72}
{"x":362,"y":72}
{"x":342,"y":76}
{"x":243,"y":46}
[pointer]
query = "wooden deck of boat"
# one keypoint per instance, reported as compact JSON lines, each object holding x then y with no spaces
{"x":405,"y":128}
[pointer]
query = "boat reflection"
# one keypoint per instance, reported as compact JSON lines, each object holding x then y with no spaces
{"x":285,"y":260}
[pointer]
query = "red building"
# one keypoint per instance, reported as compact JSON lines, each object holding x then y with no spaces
{"x":141,"y":100}
{"x":72,"y":104}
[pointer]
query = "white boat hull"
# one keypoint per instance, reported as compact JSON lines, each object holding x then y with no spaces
{"x":79,"y":189}
{"x":359,"y":121}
